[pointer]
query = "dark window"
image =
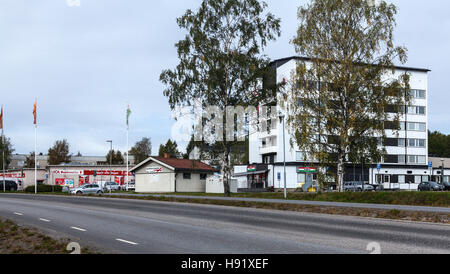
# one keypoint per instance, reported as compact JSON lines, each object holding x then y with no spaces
{"x":187,"y":176}
{"x":391,"y":142}
{"x":391,"y":159}
{"x":203,"y":176}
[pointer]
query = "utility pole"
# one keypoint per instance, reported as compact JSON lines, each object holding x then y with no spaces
{"x":110,"y":166}
{"x":284,"y":154}
{"x":442,"y":171}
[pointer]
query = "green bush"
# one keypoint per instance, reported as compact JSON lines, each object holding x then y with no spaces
{"x":44,"y":188}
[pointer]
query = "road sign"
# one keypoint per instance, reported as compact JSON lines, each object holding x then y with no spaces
{"x":279,"y":176}
{"x":430,"y":164}
{"x":379,"y":167}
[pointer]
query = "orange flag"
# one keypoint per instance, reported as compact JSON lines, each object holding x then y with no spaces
{"x":34,"y":111}
{"x":1,"y":119}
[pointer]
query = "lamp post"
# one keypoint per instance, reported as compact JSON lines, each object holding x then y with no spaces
{"x":284,"y":153}
{"x":442,"y":171}
{"x":110,"y":165}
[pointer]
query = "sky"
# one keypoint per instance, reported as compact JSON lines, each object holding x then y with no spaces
{"x":86,"y":60}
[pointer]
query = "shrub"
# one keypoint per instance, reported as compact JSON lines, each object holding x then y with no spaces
{"x":44,"y":188}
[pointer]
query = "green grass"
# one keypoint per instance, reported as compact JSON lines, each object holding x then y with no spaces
{"x":436,"y":199}
{"x":15,"y":239}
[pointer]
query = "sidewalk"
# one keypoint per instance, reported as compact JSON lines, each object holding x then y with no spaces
{"x":298,"y":202}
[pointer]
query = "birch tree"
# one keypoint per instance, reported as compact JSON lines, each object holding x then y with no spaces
{"x":338,"y":98}
{"x":221,"y":60}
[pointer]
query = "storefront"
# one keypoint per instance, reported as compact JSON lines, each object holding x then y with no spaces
{"x":257,"y":177}
{"x":75,"y":176}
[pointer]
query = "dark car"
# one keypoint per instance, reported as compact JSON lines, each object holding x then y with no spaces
{"x":447,"y":186}
{"x":430,"y":186}
{"x":9,"y":185}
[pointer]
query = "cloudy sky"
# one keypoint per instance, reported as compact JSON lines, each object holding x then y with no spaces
{"x":85,"y":63}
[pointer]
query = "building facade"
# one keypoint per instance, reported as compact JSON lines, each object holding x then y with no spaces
{"x":404,"y":167}
{"x":18,"y":161}
{"x":169,"y":175}
{"x":77,"y":175}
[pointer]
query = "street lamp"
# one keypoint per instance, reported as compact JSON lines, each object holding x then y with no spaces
{"x":284,"y":153}
{"x":110,"y":165}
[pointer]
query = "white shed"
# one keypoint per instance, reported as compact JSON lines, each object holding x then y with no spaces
{"x":169,"y":175}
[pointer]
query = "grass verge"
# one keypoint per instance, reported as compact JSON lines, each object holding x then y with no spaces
{"x":359,"y":212}
{"x":15,"y":239}
{"x":435,"y":199}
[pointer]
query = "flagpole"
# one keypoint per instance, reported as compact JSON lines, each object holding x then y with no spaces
{"x":3,"y":161}
{"x":3,"y":151}
{"x":128,"y":151}
{"x":35,"y":158}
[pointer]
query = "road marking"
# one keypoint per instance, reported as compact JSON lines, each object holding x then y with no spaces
{"x":44,"y":220}
{"x":77,"y":228}
{"x":17,"y":213}
{"x":127,"y":242}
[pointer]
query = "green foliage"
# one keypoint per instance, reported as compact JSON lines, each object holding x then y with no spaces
{"x":117,"y":157}
{"x":59,"y":153}
{"x":220,"y":58}
{"x":142,"y":150}
{"x":8,"y":148}
{"x":170,"y":148}
{"x":337,"y":101}
{"x":43,"y":189}
{"x":439,"y":144}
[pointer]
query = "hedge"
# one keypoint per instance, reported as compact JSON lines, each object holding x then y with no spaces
{"x":44,"y":188}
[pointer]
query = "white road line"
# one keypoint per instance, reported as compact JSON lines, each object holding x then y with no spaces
{"x":17,"y":213}
{"x":77,"y":228}
{"x":127,"y":242}
{"x":44,"y":220}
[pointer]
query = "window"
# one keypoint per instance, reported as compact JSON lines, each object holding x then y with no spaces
{"x":401,"y":142}
{"x":415,"y":110}
{"x":203,"y":176}
{"x":187,"y":176}
{"x":417,"y":94}
{"x":416,"y":127}
{"x":416,"y":142}
{"x":414,"y":159}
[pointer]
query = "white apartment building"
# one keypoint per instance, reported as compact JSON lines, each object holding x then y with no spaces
{"x":405,"y":166}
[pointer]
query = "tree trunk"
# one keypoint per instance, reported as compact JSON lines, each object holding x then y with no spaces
{"x":340,"y":173}
{"x":227,"y":173}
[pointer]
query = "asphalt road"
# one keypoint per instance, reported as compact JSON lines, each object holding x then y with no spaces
{"x":134,"y":226}
{"x":299,"y":202}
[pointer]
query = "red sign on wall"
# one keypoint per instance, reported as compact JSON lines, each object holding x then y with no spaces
{"x":60,"y":181}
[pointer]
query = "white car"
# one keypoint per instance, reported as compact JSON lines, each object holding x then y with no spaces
{"x":128,"y":187}
{"x":87,"y":189}
{"x":113,"y":186}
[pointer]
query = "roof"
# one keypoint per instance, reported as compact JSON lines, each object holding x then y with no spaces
{"x":437,"y":163}
{"x":279,"y":62}
{"x":178,"y":164}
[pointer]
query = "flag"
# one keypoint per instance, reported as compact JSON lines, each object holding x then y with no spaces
{"x":34,"y":111}
{"x":1,"y":119}
{"x":128,"y":114}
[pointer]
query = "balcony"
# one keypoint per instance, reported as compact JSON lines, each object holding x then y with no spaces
{"x":268,"y":149}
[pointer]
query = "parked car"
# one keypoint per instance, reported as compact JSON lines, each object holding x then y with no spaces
{"x":9,"y":185}
{"x":430,"y":186}
{"x":113,"y":186}
{"x":128,"y":187}
{"x":357,"y":187}
{"x":87,"y":189}
{"x":447,"y":186}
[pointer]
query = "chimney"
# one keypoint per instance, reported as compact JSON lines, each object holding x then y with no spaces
{"x":166,"y":156}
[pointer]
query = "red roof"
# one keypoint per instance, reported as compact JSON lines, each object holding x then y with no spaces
{"x":185,"y":164}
